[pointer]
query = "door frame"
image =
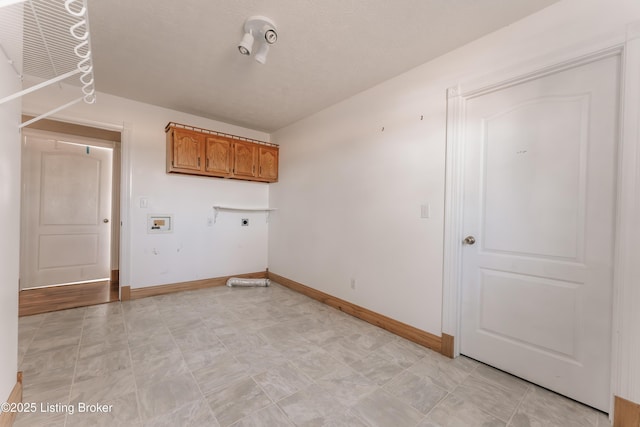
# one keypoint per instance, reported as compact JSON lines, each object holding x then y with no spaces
{"x":628,"y":173}
{"x":124,"y":186}
{"x":96,"y":134}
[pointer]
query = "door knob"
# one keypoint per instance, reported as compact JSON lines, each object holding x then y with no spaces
{"x":105,"y":220}
{"x":469,"y":240}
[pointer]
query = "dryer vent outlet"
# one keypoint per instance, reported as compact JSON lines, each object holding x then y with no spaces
{"x":237,"y":281}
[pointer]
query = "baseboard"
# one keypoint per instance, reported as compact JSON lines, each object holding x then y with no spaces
{"x":447,"y":345}
{"x":150,"y":291}
{"x":125,"y":293}
{"x":115,"y":276}
{"x":401,"y":329}
{"x":7,"y":418}
{"x":626,"y":413}
{"x":114,"y":291}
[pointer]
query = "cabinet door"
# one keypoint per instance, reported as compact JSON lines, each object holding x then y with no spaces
{"x":244,"y":159}
{"x":268,"y":163}
{"x":187,"y":150}
{"x":217,"y":155}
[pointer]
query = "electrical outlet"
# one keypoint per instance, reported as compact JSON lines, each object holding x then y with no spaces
{"x":353,"y":283}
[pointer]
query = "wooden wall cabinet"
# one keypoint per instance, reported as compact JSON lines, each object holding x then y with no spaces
{"x":218,"y":155}
{"x":199,"y":152}
{"x":244,"y":160}
{"x":268,"y":163}
{"x":186,"y":151}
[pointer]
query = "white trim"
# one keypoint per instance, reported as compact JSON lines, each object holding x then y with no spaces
{"x":82,"y":122}
{"x":625,"y":370}
{"x":126,"y":174}
{"x":69,"y":138}
{"x":74,"y":140}
{"x":453,"y":218}
{"x":549,"y":61}
{"x":126,"y":178}
{"x":471,"y":90}
{"x":545,"y":71}
{"x":453,"y":236}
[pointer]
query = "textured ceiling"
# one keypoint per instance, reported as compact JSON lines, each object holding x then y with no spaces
{"x":183,"y":54}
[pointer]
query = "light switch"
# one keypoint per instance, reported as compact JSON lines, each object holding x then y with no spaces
{"x":144,"y":202}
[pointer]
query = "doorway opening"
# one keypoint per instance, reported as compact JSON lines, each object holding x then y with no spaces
{"x":70,"y":222}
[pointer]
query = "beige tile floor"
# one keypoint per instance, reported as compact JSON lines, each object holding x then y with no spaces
{"x":260,"y":357}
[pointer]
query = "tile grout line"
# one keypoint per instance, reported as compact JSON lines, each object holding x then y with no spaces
{"x":135,"y":383}
{"x":273,"y":402}
{"x":501,"y":387}
{"x":75,"y":366}
{"x":515,"y":411}
{"x":203,"y":396}
{"x":31,"y":339}
{"x":288,"y":360}
{"x":26,"y":350}
{"x":469,"y":374}
{"x":266,"y":341}
{"x":398,"y":397}
{"x":276,"y":402}
{"x":436,"y":405}
{"x":351,"y":368}
{"x":449,"y":393}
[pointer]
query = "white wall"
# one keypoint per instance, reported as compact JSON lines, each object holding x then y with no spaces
{"x":10,"y":219}
{"x":194,"y":250}
{"x":349,"y":194}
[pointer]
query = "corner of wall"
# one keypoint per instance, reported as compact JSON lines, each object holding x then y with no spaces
{"x":10,"y":244}
{"x":10,"y":115}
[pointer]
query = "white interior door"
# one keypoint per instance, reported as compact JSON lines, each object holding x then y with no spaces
{"x":539,"y":199}
{"x":66,"y":214}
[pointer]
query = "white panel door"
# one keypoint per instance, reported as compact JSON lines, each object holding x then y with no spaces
{"x":66,"y":212}
{"x":539,"y":199}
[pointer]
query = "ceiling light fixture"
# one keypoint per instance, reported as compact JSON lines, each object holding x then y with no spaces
{"x":261,"y":54}
{"x":262,"y":29}
{"x":246,"y":44}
